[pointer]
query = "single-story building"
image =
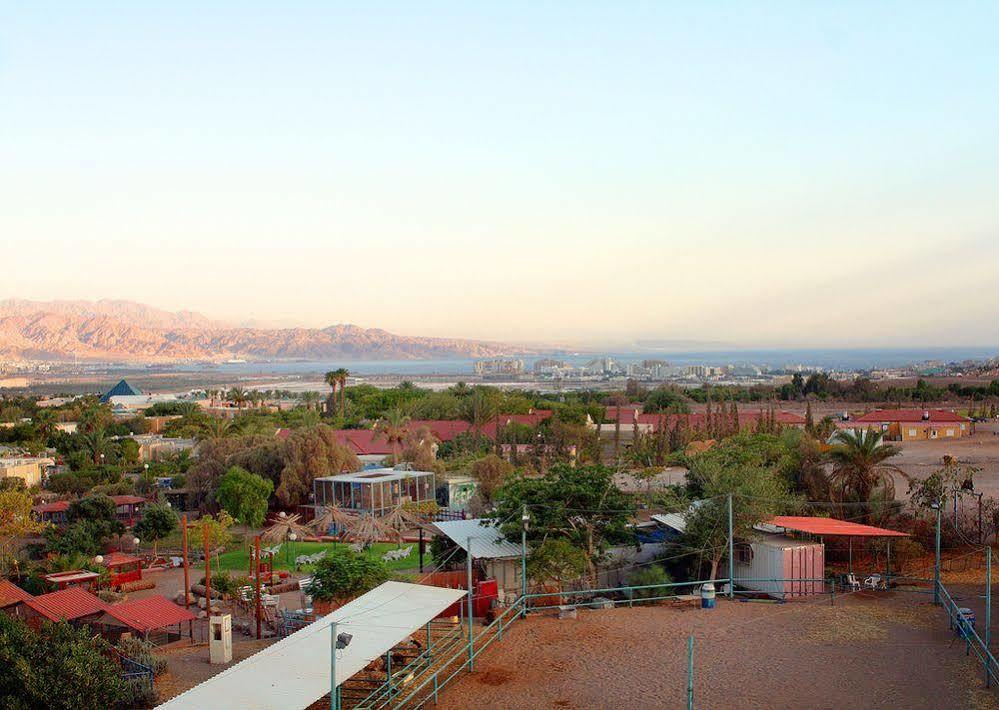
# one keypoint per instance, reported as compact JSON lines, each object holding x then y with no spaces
{"x":11,"y":596}
{"x":155,"y":619}
{"x":123,"y":568}
{"x":30,"y":469}
{"x":913,"y":424}
{"x":374,"y":492}
{"x":71,"y":604}
{"x":128,"y":509}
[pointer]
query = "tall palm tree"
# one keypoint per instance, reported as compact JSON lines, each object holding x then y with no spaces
{"x":309,"y":399}
{"x":98,"y":444}
{"x":859,"y":467}
{"x":394,"y":427}
{"x":237,"y":395}
{"x":215,"y":429}
{"x":333,"y":380}
{"x":479,"y":407}
{"x":342,"y":374}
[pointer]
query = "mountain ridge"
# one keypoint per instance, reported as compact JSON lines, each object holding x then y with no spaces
{"x":128,"y":331}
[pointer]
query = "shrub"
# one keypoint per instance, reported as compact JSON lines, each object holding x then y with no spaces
{"x":143,"y":652}
{"x":653,"y":574}
{"x":346,"y":574}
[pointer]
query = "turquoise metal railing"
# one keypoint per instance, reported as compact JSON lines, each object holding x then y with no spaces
{"x":973,"y":642}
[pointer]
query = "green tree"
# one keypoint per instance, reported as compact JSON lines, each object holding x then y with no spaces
{"x":16,"y":521}
{"x":309,"y":454}
{"x":244,"y":495}
{"x":58,"y":667}
{"x":557,"y":560}
{"x":665,"y":399}
{"x":346,"y":574}
{"x":581,"y":504}
{"x":156,"y":523}
{"x":490,"y":472}
{"x":394,"y":428}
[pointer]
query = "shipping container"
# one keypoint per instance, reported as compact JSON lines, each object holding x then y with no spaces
{"x":780,"y":566}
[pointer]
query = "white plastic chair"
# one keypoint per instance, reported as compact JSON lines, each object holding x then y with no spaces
{"x":873,"y":582}
{"x":851,"y":579}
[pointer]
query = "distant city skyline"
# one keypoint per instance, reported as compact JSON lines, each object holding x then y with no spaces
{"x":788,"y":175}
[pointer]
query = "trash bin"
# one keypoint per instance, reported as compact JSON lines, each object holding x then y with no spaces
{"x":965,"y":622}
{"x":708,"y":596}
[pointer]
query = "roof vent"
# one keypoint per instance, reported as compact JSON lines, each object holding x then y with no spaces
{"x":926,"y":415}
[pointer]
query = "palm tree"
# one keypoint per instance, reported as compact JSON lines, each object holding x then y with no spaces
{"x":858,"y":457}
{"x":215,"y":429}
{"x":237,"y":395}
{"x":341,"y":377}
{"x":98,"y":444}
{"x":394,"y":427}
{"x":309,"y":399}
{"x":479,"y":407}
{"x":332,"y":378}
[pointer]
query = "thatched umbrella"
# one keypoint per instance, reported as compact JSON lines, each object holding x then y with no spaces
{"x":369,"y":530}
{"x":334,"y":515}
{"x":402,"y":520}
{"x":282,"y":527}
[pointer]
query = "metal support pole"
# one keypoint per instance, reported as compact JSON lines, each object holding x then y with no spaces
{"x":988,"y":614}
{"x":256,"y":596}
{"x":208,"y":572}
{"x":850,"y":539}
{"x":731,"y":553}
{"x":888,"y":566}
{"x":471,"y":630}
{"x":422,"y":548}
{"x":523,"y":562}
{"x":690,"y":672}
{"x":936,"y":565}
{"x":187,"y":580}
{"x":388,"y":670}
{"x":430,"y":640}
{"x":333,"y":694}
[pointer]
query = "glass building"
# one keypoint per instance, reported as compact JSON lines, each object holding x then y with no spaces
{"x":374,"y":492}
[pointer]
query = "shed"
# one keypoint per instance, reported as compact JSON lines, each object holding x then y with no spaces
{"x":11,"y":596}
{"x":70,"y":604}
{"x":500,"y":557}
{"x":155,"y":618}
{"x":295,"y":672}
{"x":374,"y":492}
{"x":780,"y":566}
{"x":123,"y":568}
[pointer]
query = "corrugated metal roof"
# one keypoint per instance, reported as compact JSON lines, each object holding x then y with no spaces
{"x":149,"y":614}
{"x":677,"y":521}
{"x":487,"y":542}
{"x":295,"y":672}
{"x":11,"y":594}
{"x":70,"y":603}
{"x":831,"y":526}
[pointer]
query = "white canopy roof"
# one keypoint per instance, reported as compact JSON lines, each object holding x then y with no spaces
{"x":295,"y":672}
{"x":487,"y":541}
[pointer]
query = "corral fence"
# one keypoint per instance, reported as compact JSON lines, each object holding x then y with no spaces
{"x":963,"y":625}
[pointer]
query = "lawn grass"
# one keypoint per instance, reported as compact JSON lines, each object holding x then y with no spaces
{"x":237,"y":559}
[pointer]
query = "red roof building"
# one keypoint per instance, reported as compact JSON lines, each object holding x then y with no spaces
{"x":71,"y":604}
{"x":123,"y":568}
{"x":148,"y":615}
{"x":11,"y":594}
{"x":127,"y":508}
{"x":914,"y":424}
{"x":831,"y":527}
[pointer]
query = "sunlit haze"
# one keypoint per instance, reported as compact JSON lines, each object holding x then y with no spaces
{"x":596,"y":173}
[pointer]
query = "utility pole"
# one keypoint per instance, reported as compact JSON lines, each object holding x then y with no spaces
{"x":187,"y":580}
{"x":208,"y":572}
{"x":256,"y":596}
{"x":731,"y":552}
{"x":988,"y":614}
{"x":334,"y":698}
{"x":936,"y":566}
{"x":690,"y":672}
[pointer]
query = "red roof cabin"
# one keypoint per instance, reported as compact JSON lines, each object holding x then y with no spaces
{"x":914,"y":424}
{"x":71,"y":604}
{"x":123,"y":568}
{"x":155,"y":619}
{"x":128,"y":510}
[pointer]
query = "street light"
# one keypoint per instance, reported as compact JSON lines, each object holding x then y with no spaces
{"x":338,"y":642}
{"x":525,"y":519}
{"x":99,"y":559}
{"x":936,"y":505}
{"x":291,"y":537}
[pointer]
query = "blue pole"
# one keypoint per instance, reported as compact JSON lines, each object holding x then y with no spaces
{"x":690,"y":672}
{"x":333,"y":695}
{"x":988,"y":614}
{"x":471,"y":631}
{"x":731,"y":552}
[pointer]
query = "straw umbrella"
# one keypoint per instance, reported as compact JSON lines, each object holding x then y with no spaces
{"x":369,"y":530}
{"x":402,"y":520}
{"x":334,"y":515}
{"x":283,"y":527}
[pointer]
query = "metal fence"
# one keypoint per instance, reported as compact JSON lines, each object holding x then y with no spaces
{"x":962,"y":626}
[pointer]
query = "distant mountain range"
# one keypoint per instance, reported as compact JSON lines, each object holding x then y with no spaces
{"x":125,"y":331}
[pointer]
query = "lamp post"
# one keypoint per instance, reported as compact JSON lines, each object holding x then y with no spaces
{"x":291,"y":539}
{"x":525,"y":519}
{"x":338,"y":642}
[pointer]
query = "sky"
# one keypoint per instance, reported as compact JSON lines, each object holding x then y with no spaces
{"x":795,"y":174}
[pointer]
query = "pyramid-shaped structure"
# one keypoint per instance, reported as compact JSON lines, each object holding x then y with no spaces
{"x":122,"y":389}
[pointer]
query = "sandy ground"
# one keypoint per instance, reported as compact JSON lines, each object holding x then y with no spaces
{"x":921,"y":458}
{"x":894,"y":651}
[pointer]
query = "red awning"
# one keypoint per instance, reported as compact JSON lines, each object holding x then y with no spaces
{"x":831,"y":526}
{"x":149,"y":614}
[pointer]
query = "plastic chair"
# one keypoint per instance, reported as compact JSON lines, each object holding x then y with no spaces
{"x":873,"y":582}
{"x":852,"y":582}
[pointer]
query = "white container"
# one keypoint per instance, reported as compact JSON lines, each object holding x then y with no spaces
{"x":777,"y":557}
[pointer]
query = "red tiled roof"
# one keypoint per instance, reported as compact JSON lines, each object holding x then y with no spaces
{"x":628,"y":417}
{"x":832,"y":527}
{"x":58,"y":506}
{"x":363,"y":441}
{"x":911,"y":416}
{"x":11,"y":594}
{"x":149,"y":614}
{"x":117,"y":559}
{"x":126,"y":499}
{"x":70,"y":603}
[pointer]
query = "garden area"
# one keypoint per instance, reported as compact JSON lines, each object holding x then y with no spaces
{"x":238,"y":560}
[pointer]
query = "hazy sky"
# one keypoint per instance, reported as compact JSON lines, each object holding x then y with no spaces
{"x":750,"y":173}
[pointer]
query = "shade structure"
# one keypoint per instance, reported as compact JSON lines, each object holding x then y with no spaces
{"x":370,"y":530}
{"x":295,"y":672}
{"x":284,"y":526}
{"x":333,"y":515}
{"x":149,"y":614}
{"x":69,"y":604}
{"x":831,"y":527}
{"x":487,"y":541}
